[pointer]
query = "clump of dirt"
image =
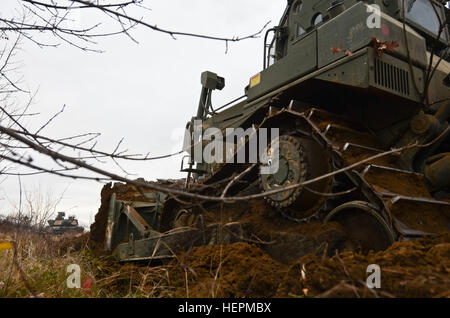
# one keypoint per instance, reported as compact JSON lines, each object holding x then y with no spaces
{"x":233,"y":270}
{"x":422,"y":216}
{"x":407,"y":184}
{"x":418,"y":268}
{"x":343,"y":134}
{"x":354,"y":154}
{"x":131,"y":193}
{"x":72,"y":243}
{"x":340,"y":134}
{"x":98,"y":228}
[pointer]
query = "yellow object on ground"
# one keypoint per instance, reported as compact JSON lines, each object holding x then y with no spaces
{"x":6,"y":246}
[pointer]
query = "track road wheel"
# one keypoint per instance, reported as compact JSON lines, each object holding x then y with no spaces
{"x":299,"y":159}
{"x":365,"y":229}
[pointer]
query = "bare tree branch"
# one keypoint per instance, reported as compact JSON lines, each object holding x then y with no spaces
{"x":153,"y":186}
{"x":52,"y":16}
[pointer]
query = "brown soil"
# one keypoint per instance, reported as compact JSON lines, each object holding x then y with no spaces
{"x":411,"y":185}
{"x":354,"y":155}
{"x":424,"y":217}
{"x":340,"y":134}
{"x":283,"y":239}
{"x":98,"y":228}
{"x":279,"y":258}
{"x":235,"y":270}
{"x":408,"y":269}
{"x":72,"y":243}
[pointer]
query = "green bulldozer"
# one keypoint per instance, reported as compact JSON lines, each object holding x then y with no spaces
{"x":354,"y":97}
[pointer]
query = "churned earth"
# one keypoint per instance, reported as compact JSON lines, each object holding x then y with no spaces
{"x":279,"y":258}
{"x":408,"y":269}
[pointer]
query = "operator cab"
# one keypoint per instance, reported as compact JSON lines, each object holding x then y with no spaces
{"x":303,"y":17}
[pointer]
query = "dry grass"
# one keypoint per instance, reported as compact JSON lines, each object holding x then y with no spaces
{"x":41,"y":269}
{"x":410,"y":269}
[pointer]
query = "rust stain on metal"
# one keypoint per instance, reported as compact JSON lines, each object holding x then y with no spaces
{"x":388,"y":46}
{"x":341,"y":49}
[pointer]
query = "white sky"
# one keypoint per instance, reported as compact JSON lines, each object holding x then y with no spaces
{"x":143,"y":92}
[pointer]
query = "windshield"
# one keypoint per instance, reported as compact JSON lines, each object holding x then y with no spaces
{"x":423,"y":13}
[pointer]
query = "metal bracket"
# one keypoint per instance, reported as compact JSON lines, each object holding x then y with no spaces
{"x":141,"y":225}
{"x":131,"y":247}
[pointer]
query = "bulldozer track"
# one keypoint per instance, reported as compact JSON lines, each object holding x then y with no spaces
{"x":380,"y":183}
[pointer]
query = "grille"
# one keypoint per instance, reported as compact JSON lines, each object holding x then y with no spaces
{"x":391,"y":77}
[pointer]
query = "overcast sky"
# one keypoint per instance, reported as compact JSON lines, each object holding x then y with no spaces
{"x":143,"y":92}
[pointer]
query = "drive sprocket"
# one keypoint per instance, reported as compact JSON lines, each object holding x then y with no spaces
{"x":299,"y":159}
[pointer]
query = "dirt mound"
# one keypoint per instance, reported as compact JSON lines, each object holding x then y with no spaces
{"x":234,"y":270}
{"x":280,"y":258}
{"x":417,"y":268}
{"x":407,"y":184}
{"x":72,"y":243}
{"x":98,"y":228}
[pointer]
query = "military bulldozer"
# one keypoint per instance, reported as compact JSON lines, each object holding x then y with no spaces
{"x":60,"y":225}
{"x":358,"y":96}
